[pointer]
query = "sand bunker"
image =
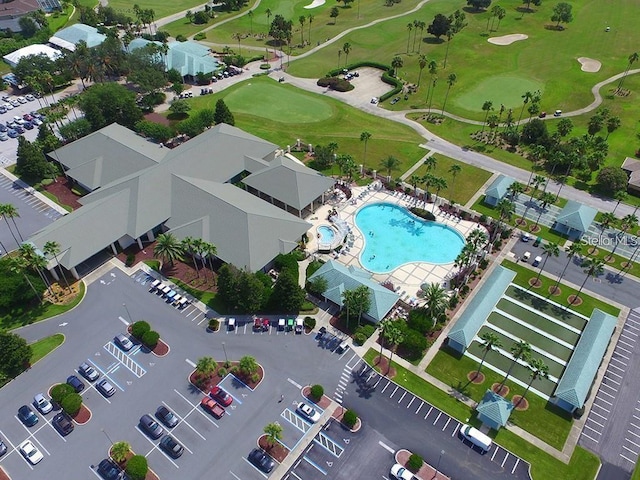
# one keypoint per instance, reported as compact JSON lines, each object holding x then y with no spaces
{"x":589,"y":64}
{"x":315,"y":3}
{"x":507,"y":39}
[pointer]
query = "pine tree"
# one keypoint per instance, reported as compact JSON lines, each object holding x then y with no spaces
{"x":223,"y":114}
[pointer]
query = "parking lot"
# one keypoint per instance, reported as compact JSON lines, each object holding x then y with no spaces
{"x":144,"y":381}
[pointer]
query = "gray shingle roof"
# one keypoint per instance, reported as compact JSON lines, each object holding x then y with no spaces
{"x":579,"y":373}
{"x":499,"y":187}
{"x":290,"y":182}
{"x":341,"y":277}
{"x":480,"y":306}
{"x":576,"y":216}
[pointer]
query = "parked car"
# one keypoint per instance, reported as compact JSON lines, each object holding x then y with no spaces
{"x":123,"y":342}
{"x":8,"y":106}
{"x":76,"y":383}
{"x":3,"y":109}
{"x":28,"y":125}
{"x":220,"y":396}
{"x":557,"y":113}
{"x":526,"y":256}
{"x":171,"y":446}
{"x":151,"y":427}
{"x":3,"y":448}
{"x":63,"y":424}
{"x":476,"y":437}
{"x":14,"y":102}
{"x":536,"y":261}
{"x":28,"y":117}
{"x":395,"y":100}
{"x":19,"y":129}
{"x":42,"y":403}
{"x":105,"y":388}
{"x":166,"y":416}
{"x":22,"y":100}
{"x":542,"y":114}
{"x":526,"y":237}
{"x":4,"y":137}
{"x":30,"y":452}
{"x":398,"y":472}
{"x":12,"y":133}
{"x":261,"y":460}
{"x":26,"y":416}
{"x":29,"y":97}
{"x":308,"y":412}
{"x":3,"y":128}
{"x":108,"y":470}
{"x":211,"y":406}
{"x":88,"y":372}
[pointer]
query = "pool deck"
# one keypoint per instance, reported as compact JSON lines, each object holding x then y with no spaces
{"x":409,"y":276}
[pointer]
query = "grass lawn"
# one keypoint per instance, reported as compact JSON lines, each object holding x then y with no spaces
{"x":182,"y":26}
{"x":523,"y":274}
{"x":583,"y":464}
{"x":617,"y":262}
{"x":545,"y":421}
{"x":45,"y":346}
{"x":545,"y":232}
{"x":208,"y":298}
{"x":343,"y":126}
{"x":467,"y":182}
{"x":59,"y":20}
{"x":161,"y":8}
{"x":20,"y":318}
{"x":51,"y":196}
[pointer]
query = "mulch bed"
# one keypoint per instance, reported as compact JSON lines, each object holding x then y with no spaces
{"x":524,"y":403}
{"x":61,"y":188}
{"x":151,"y":475}
{"x":206,"y":383}
{"x":555,"y":291}
{"x":535,"y":283}
{"x":338,"y":414}
{"x":83,"y":416}
{"x":609,"y":259}
{"x":475,"y":377}
{"x":161,"y":349}
{"x":157,"y":118}
{"x":426,"y":472}
{"x":503,"y":393}
{"x":61,"y":294}
{"x":593,"y":251}
{"x":535,"y":229}
{"x":574,"y":300}
{"x":277,"y":451}
{"x":323,"y":403}
{"x":3,"y":475}
{"x":382,"y":366}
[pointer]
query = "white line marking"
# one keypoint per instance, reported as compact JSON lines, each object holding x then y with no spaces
{"x":628,"y":449}
{"x":503,"y":461}
{"x":123,"y":321}
{"x":627,"y":459}
{"x":590,"y":438}
{"x":386,"y":447}
{"x":601,"y":407}
{"x":385,"y":387}
{"x":601,"y":416}
{"x":405,"y":392}
{"x":437,"y":418}
{"x":515,"y":465}
{"x":603,"y":400}
{"x":394,"y":391}
{"x":633,"y":443}
{"x":597,"y":423}
{"x":190,"y":362}
{"x":592,"y":429}
{"x":295,"y":384}
{"x":446,"y":424}
{"x":411,"y":402}
{"x":425,"y":417}
{"x":421,"y":404}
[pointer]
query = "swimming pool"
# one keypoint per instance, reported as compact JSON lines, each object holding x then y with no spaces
{"x":393,"y":237}
{"x":327,"y":235}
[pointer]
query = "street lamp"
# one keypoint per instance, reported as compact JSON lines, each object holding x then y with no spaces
{"x":128,"y":313}
{"x":438,"y":465}
{"x":107,"y":435}
{"x":225,"y":353}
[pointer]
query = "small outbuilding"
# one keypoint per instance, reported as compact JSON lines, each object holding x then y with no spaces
{"x":498,"y":190}
{"x":69,"y":37}
{"x":36,"y":49}
{"x":631,"y":167}
{"x":574,"y":219}
{"x":493,"y":410}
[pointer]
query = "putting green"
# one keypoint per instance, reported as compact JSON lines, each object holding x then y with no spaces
{"x":500,"y":89}
{"x":278,"y":103}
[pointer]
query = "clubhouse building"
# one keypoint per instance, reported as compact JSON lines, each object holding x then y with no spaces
{"x":224,"y":186}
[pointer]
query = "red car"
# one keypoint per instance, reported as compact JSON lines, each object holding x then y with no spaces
{"x":210,"y":405}
{"x":220,"y":396}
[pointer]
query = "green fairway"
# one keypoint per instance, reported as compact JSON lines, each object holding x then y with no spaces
{"x":44,"y":346}
{"x":562,"y":314}
{"x":268,"y":100}
{"x":161,"y":8}
{"x":508,"y":88}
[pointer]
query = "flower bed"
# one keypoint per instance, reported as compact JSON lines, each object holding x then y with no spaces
{"x":278,"y":451}
{"x":207,"y":382}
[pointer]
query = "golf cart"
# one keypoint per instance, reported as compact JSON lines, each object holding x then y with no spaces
{"x":261,"y":325}
{"x":299,"y":326}
{"x":526,"y":256}
{"x":290,"y":324}
{"x":231,"y":324}
{"x":281,"y":324}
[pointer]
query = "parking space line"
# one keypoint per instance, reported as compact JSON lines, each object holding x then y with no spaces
{"x":446,"y":424}
{"x":495,"y":451}
{"x":196,"y":409}
{"x":633,"y":433}
{"x":612,"y":373}
{"x":625,"y":342}
{"x":629,"y":450}
{"x":437,"y":418}
{"x":621,"y":355}
{"x":234,"y":475}
{"x":375,"y":385}
{"x":601,"y":416}
{"x":254,"y":467}
{"x":313,"y":464}
{"x":421,"y":404}
{"x":155,"y":447}
{"x":405,"y":392}
{"x":624,"y":335}
{"x":590,"y":438}
{"x":455,"y":430}
{"x":328,"y":444}
{"x":607,"y":394}
{"x":627,"y":459}
{"x":412,"y":399}
{"x":505,"y":459}
{"x":597,"y":423}
{"x":634,"y":425}
{"x":603,"y":400}
{"x":633,"y":443}
{"x":619,"y":361}
{"x":125,"y":359}
{"x":184,"y":420}
{"x":396,"y":389}
{"x":370,"y":376}
{"x":592,"y":429}
{"x":13,"y":447}
{"x":385,"y":387}
{"x":106,"y":374}
{"x":601,"y":407}
{"x":626,"y":350}
{"x":425,"y":417}
{"x":515,"y":465}
{"x":609,"y":387}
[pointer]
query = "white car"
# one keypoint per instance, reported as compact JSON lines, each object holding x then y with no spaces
{"x":22,"y":99}
{"x":400,"y":473}
{"x":42,"y":403}
{"x":8,"y":106}
{"x":14,"y":102}
{"x":308,"y":412}
{"x":30,"y":452}
{"x":29,"y":97}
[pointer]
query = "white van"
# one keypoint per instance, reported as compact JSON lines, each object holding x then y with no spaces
{"x":476,"y":437}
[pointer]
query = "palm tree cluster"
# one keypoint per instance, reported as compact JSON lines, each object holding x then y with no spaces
{"x":170,"y":249}
{"x":466,"y":260}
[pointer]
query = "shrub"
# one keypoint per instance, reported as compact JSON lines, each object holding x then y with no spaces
{"x":137,"y":467}
{"x":227,"y":364}
{"x":60,"y":391}
{"x":413,"y":345}
{"x":181,"y":38}
{"x":415,"y":462}
{"x":313,"y":267}
{"x":265,"y":66}
{"x":139,"y":328}
{"x":420,"y":321}
{"x":309,"y":322}
{"x":335,"y":83}
{"x":453,"y":302}
{"x":222,"y":372}
{"x":317,"y":391}
{"x":307,"y":306}
{"x":422,"y":213}
{"x":366,"y":330}
{"x":200,"y":36}
{"x":578,"y":412}
{"x":130,"y":259}
{"x":214,"y":324}
{"x":359,"y":338}
{"x":71,"y":403}
{"x":350,"y":418}
{"x":150,"y":338}
{"x":255,"y":377}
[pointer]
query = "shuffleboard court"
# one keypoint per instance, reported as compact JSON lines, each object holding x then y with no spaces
{"x":540,"y":304}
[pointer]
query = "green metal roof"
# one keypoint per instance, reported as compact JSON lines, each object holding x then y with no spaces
{"x":189,"y":58}
{"x":76,"y":33}
{"x":499,"y":187}
{"x":583,"y":365}
{"x":495,"y":408}
{"x":576,"y":216}
{"x":341,"y":278}
{"x":480,"y":306}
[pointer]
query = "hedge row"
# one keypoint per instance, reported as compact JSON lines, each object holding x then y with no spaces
{"x":335,"y":83}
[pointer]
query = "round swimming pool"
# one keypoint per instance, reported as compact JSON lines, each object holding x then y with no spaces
{"x":393,"y":237}
{"x":327,"y":235}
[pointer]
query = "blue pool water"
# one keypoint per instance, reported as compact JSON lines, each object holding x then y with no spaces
{"x":326,"y":234}
{"x":393,"y":237}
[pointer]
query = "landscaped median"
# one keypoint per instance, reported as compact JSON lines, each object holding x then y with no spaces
{"x":583,"y":464}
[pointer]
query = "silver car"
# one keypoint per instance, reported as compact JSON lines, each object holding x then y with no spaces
{"x":123,"y":342}
{"x":42,"y":404}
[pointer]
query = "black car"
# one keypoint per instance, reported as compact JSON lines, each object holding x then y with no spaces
{"x":3,"y":448}
{"x":3,"y":127}
{"x":108,"y":470}
{"x":88,"y":372}
{"x":171,"y":446}
{"x":166,"y":416}
{"x":105,"y":388}
{"x":76,"y":383}
{"x":63,"y":424}
{"x":26,"y":416}
{"x":261,"y":460}
{"x":151,"y":427}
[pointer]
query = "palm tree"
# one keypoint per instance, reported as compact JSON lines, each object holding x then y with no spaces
{"x":430,"y":163}
{"x":310,"y":18}
{"x":548,"y":250}
{"x":433,"y":70}
{"x":396,"y":63}
{"x":301,"y":19}
{"x":19,"y":265}
{"x":394,"y":337}
{"x":53,"y":248}
{"x":606,"y":221}
{"x":627,"y":222}
{"x":383,"y":325}
{"x":167,"y":247}
{"x":268,"y":14}
{"x":36,"y":262}
{"x":428,"y":180}
{"x":248,"y":365}
{"x":537,"y":181}
{"x":250,"y":15}
{"x":486,"y":107}
{"x":187,"y":247}
{"x":538,"y":370}
{"x":210,"y":251}
{"x":572,"y":250}
{"x":436,"y":301}
{"x":515,"y":189}
{"x":477,"y":238}
{"x":505,"y":209}
{"x":525,"y":99}
{"x":633,"y":58}
{"x":206,"y":365}
{"x":119,"y":451}
{"x":274,"y":433}
{"x":451,"y":80}
{"x":415,"y":180}
{"x":346,"y":48}
{"x":422,"y":62}
{"x":409,"y":28}
{"x":519,"y":351}
{"x":6,"y":219}
{"x":364,"y":137}
{"x":490,"y":341}
{"x":538,"y":152}
{"x":594,"y":267}
{"x":390,"y":163}
{"x":8,"y":210}
{"x":546,"y":198}
{"x":454,"y":170}
{"x":421,"y":26}
{"x":620,"y":196}
{"x":439,"y":183}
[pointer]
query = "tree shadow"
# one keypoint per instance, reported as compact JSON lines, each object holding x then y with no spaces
{"x":433,"y":40}
{"x":473,"y":11}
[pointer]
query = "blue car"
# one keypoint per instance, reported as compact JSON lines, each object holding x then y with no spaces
{"x":13,"y":134}
{"x":3,"y":128}
{"x":26,"y":416}
{"x":19,"y":129}
{"x":28,"y":125}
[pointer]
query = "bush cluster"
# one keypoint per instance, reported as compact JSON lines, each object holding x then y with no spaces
{"x":139,"y":328}
{"x":422,"y":213}
{"x":317,"y":391}
{"x":60,"y":391}
{"x":309,"y":322}
{"x":415,"y":462}
{"x":137,"y":467}
{"x":350,"y":418}
{"x":335,"y":83}
{"x":71,"y":403}
{"x":150,"y":339}
{"x":214,"y":324}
